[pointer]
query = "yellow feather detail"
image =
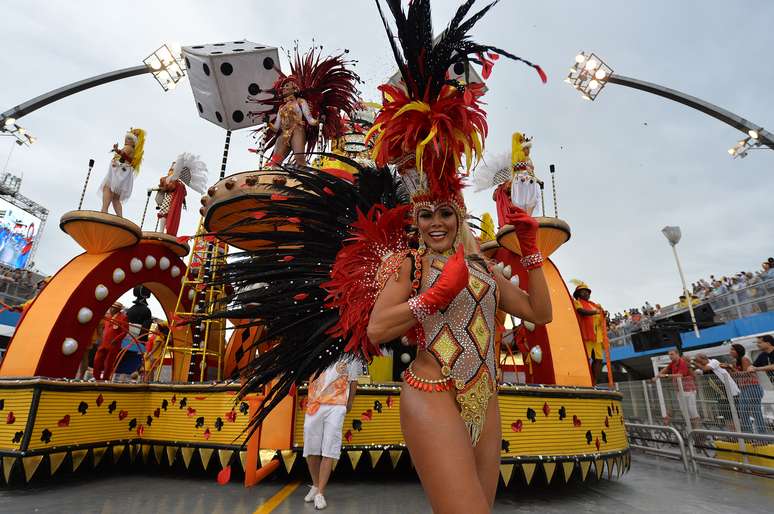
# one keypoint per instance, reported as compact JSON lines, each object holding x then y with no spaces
{"x":412,"y":106}
{"x":421,"y":146}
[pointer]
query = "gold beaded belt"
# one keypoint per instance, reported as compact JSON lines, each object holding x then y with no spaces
{"x":426,"y":384}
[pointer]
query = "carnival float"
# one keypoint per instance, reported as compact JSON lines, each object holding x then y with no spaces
{"x":255,"y":277}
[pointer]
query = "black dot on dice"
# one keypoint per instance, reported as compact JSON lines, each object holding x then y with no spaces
{"x":215,"y":53}
{"x":206,"y":69}
{"x":239,"y":49}
{"x":238,"y":116}
{"x":199,"y":105}
{"x":219,"y":116}
{"x":253,"y":89}
{"x":226,"y":69}
{"x":187,"y":63}
{"x":459,"y":68}
{"x":268,"y":63}
{"x":198,"y":46}
{"x":259,"y":47}
{"x":239,"y":42}
{"x":219,"y":44}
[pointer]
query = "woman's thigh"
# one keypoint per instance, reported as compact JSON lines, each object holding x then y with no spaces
{"x":442,"y":453}
{"x":487,"y":451}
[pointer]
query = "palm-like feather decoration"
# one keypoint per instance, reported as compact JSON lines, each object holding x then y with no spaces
{"x":435,"y":119}
{"x":290,"y":285}
{"x":494,"y":171}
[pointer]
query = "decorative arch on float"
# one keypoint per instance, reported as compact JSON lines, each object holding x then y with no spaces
{"x":71,"y":305}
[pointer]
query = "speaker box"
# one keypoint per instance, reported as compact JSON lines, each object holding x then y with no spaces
{"x":655,"y":338}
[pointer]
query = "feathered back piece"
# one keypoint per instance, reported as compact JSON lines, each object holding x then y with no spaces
{"x":432,"y":119}
{"x":329,"y":86}
{"x":139,"y":148}
{"x":311,"y":301}
{"x":191,"y":170}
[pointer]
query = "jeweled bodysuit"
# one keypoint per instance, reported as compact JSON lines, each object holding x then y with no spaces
{"x":461,"y":338}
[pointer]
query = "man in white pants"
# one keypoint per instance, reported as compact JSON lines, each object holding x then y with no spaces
{"x":329,"y":400}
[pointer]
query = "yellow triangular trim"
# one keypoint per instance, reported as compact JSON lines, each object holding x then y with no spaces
{"x":610,"y":465}
{"x":97,"y":454}
{"x":354,"y":457}
{"x":549,"y":468}
{"x":375,"y":456}
{"x":335,"y":463}
{"x":506,"y":471}
{"x":171,"y":454}
{"x":529,"y":470}
{"x":55,"y":460}
{"x":265,"y":456}
{"x":158,"y":451}
{"x":289,"y":458}
{"x":145,"y":451}
{"x":585,"y":465}
{"x":31,"y":465}
{"x":187,"y":452}
{"x":78,"y":456}
{"x":567,"y":468}
{"x":395,"y":457}
{"x":599,"y":466}
{"x":118,"y":451}
{"x":225,"y":457}
{"x":243,"y":458}
{"x":8,"y":463}
{"x":206,"y":456}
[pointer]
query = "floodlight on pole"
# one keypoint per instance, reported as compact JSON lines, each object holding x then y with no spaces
{"x":673,"y":235}
{"x":165,"y":66}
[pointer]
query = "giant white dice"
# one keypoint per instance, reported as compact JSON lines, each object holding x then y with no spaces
{"x":224,"y":76}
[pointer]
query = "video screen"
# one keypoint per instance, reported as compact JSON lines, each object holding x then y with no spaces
{"x":18,"y":231}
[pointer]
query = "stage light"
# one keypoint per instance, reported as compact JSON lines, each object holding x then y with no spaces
{"x":731,"y":151}
{"x":165,"y":67}
{"x":9,"y":122}
{"x":753,"y":133}
{"x":589,"y":75}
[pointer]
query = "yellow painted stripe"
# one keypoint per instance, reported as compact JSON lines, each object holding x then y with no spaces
{"x":278,"y":498}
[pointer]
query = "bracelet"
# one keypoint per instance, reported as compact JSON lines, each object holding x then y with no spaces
{"x":419,"y":308}
{"x":530,"y":262}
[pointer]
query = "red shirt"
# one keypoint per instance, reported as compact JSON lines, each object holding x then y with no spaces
{"x":116,"y":328}
{"x":680,"y":367}
{"x":586,"y":322}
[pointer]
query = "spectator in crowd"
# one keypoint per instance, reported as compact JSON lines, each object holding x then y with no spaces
{"x":706,"y":365}
{"x":678,"y":367}
{"x":764,"y":361}
{"x":749,"y":402}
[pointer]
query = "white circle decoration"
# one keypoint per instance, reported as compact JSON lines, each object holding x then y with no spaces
{"x":85,"y":315}
{"x":536,"y":353}
{"x":164,"y":264}
{"x":405,"y":358}
{"x":118,"y":275}
{"x":100,"y":292}
{"x":175,"y":272}
{"x":150,"y":262}
{"x":135,"y":265}
{"x":191,"y":294}
{"x":69,"y":346}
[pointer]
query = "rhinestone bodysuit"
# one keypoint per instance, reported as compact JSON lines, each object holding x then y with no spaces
{"x":461,"y":338}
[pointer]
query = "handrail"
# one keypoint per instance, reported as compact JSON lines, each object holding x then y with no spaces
{"x":664,"y":428}
{"x":728,"y":463}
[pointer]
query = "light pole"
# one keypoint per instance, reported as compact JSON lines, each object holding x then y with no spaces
{"x":673,"y":235}
{"x":589,"y":75}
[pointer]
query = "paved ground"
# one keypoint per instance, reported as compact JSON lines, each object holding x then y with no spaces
{"x":651,"y":486}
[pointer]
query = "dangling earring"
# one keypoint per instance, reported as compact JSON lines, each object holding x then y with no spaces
{"x":422,"y":247}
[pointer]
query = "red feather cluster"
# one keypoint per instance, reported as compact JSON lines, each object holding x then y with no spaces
{"x":436,"y":131}
{"x":378,"y":246}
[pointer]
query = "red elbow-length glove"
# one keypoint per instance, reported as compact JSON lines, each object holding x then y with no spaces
{"x":526,"y":228}
{"x":452,"y":280}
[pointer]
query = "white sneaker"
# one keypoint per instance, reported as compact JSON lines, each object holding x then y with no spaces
{"x":319,"y":502}
{"x":311,"y":494}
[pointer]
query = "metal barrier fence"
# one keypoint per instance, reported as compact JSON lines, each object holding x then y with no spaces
{"x":750,"y":300}
{"x":728,"y":420}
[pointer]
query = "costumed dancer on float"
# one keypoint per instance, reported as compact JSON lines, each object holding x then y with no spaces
{"x":330,"y":398}
{"x":115,"y":329}
{"x":186,"y":170}
{"x":352,"y":277}
{"x":317,"y":90}
{"x":512,"y":176}
{"x":117,"y":186}
{"x":593,"y":326}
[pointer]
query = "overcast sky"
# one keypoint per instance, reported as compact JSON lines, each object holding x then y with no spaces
{"x":627,"y":164}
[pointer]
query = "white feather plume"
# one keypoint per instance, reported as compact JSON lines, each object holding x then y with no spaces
{"x":493,"y":172}
{"x":191,"y":170}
